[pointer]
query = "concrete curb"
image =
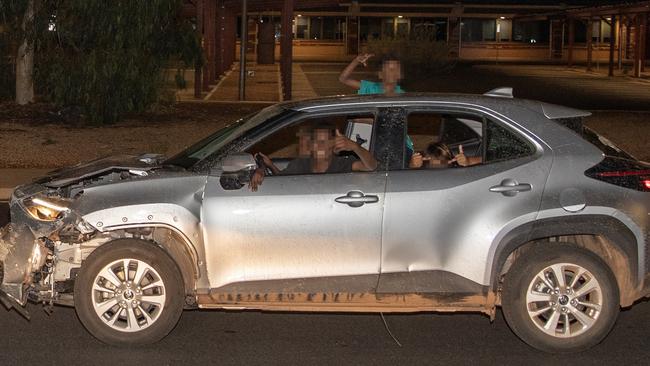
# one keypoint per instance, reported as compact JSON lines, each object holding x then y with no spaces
{"x":10,"y":178}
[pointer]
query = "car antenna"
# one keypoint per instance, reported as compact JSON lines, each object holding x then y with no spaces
{"x":388,"y":330}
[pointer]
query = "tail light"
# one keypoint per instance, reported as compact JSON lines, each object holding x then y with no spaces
{"x":622,"y":172}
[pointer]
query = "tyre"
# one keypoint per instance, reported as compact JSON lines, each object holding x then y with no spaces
{"x":129,"y":292}
{"x":560,"y":298}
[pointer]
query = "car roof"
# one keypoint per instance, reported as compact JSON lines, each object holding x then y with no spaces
{"x":551,"y":111}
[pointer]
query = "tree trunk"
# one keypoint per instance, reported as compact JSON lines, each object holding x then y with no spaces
{"x":25,"y":59}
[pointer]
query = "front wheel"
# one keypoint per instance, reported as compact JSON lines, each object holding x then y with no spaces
{"x":129,"y":292}
{"x":560,"y":298}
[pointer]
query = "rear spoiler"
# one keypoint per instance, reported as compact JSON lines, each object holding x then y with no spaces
{"x":554,"y":111}
{"x":567,"y":117}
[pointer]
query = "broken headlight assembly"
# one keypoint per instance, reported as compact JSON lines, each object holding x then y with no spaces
{"x":46,"y":208}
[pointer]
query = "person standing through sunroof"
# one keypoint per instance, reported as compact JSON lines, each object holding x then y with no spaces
{"x":390,"y":76}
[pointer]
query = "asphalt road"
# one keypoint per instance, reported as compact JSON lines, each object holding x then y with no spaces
{"x":251,"y":338}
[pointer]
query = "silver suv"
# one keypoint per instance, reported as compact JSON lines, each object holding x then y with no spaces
{"x":552,"y":223}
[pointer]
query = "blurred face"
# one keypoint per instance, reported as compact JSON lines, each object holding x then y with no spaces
{"x":322,"y":144}
{"x":391,"y":72}
{"x":439,"y":158}
{"x":434,"y":163}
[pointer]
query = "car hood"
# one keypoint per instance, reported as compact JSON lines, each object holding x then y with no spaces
{"x":68,"y":175}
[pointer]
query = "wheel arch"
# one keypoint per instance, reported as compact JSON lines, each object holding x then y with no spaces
{"x":607,"y":237}
{"x":172,"y":242}
{"x":171,"y":226}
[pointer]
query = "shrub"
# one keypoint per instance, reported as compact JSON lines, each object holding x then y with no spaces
{"x":7,"y":72}
{"x":106,"y":58}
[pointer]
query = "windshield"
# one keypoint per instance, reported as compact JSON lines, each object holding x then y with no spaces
{"x":213,"y":143}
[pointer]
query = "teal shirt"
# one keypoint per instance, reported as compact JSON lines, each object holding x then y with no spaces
{"x":371,"y":87}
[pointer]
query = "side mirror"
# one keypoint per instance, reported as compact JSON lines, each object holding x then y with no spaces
{"x":236,"y":170}
{"x":238,"y":163}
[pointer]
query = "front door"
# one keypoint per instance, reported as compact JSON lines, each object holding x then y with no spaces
{"x":296,"y":227}
{"x":293,"y":227}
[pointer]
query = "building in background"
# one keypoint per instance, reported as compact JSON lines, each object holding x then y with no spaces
{"x":337,"y":30}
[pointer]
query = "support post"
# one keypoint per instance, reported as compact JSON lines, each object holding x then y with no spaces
{"x":242,"y":51}
{"x":637,"y":45}
{"x":25,"y":58}
{"x":571,"y":40}
{"x":557,"y":36}
{"x":590,"y":34}
{"x":612,"y":44}
{"x":219,"y":38}
{"x":352,"y":35}
{"x":199,"y":30}
{"x":619,"y":35}
{"x":228,"y":39}
{"x":643,"y":40}
{"x":209,"y":22}
{"x":286,"y":48}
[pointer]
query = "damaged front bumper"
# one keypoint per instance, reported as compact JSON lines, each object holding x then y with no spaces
{"x":21,"y":254}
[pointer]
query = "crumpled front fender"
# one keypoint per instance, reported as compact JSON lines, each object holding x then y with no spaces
{"x":20,"y":254}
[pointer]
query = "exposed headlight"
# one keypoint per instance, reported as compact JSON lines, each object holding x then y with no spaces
{"x":46,"y":209}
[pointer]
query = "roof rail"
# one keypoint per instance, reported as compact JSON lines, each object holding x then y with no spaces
{"x":502,"y":92}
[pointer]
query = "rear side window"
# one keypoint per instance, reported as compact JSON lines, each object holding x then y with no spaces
{"x":456,"y":131}
{"x":502,"y":144}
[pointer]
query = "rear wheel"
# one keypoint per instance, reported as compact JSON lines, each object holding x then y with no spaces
{"x":560,"y":298}
{"x":129,"y":292}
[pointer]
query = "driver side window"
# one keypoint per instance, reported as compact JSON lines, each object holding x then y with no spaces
{"x":323,"y":144}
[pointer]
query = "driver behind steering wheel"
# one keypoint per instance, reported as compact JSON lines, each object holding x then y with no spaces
{"x":317,"y":150}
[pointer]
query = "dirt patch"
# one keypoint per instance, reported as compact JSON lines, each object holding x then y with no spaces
{"x":38,"y":137}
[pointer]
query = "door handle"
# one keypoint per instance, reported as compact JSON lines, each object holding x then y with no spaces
{"x":510,"y":187}
{"x":356,"y":199}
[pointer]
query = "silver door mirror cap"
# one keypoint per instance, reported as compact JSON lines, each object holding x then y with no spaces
{"x":236,"y":163}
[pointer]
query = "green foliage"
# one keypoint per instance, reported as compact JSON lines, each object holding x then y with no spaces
{"x":11,"y":16}
{"x":419,"y":52}
{"x":7,"y":70}
{"x":179,"y":79}
{"x":106,"y":58}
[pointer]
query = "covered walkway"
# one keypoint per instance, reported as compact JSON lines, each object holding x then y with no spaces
{"x":619,"y":28}
{"x":263,"y":84}
{"x":571,"y":86}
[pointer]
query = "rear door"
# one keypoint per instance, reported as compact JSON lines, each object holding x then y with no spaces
{"x":440,"y":224}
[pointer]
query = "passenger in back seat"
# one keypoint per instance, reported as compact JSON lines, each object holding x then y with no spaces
{"x":438,"y":155}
